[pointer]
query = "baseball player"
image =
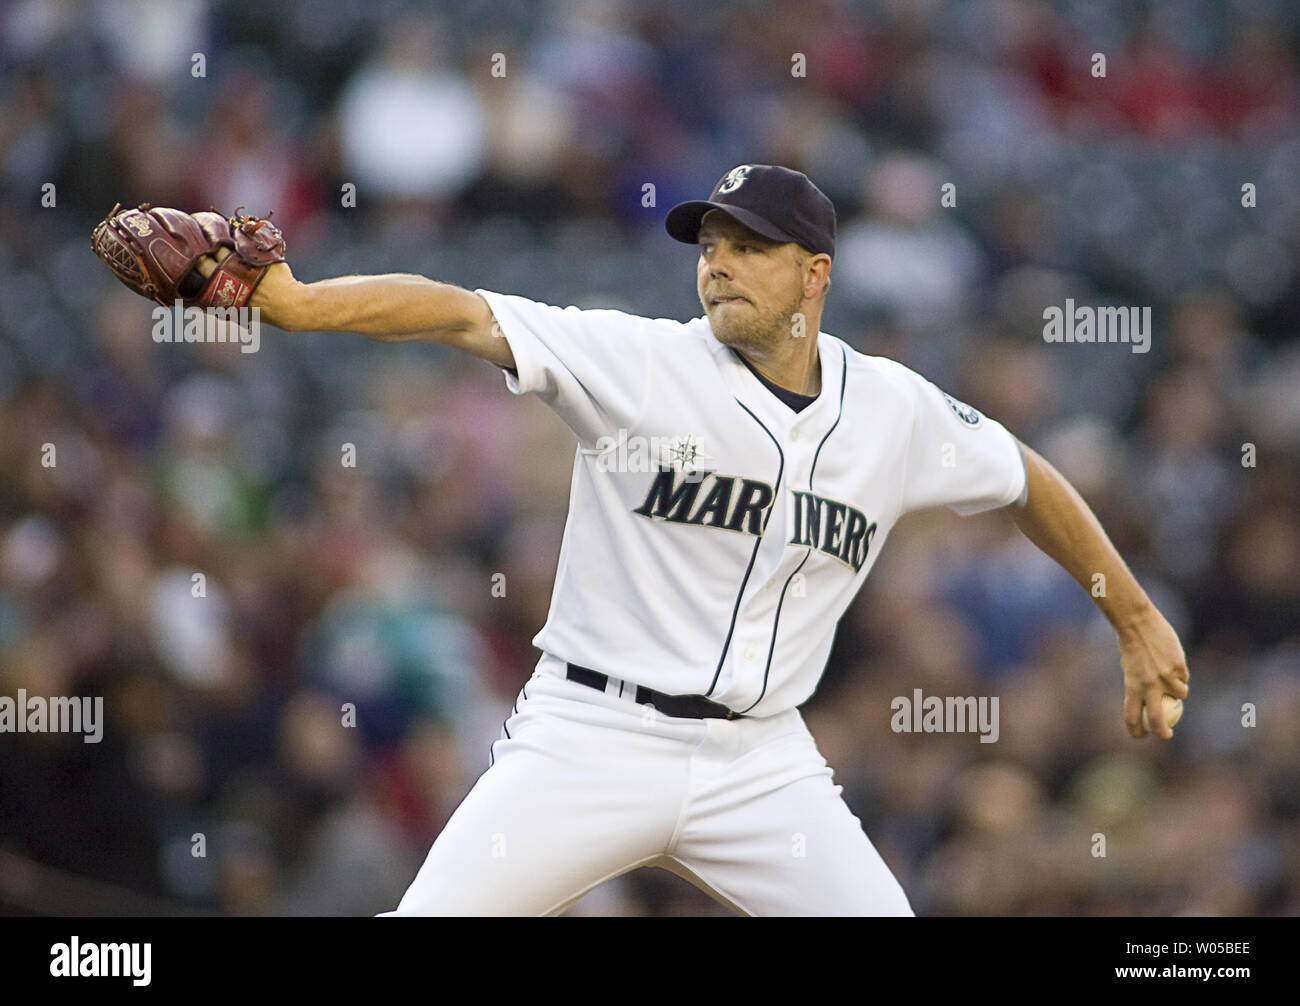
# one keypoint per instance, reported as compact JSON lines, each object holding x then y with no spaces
{"x":735,"y":477}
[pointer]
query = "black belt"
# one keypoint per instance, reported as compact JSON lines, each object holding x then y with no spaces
{"x":695,"y":707}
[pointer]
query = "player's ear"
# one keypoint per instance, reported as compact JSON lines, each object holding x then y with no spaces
{"x":816,"y":271}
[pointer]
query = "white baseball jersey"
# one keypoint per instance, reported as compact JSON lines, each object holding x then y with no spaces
{"x":715,"y":536}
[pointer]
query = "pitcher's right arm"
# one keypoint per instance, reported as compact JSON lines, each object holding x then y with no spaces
{"x":395,"y":307}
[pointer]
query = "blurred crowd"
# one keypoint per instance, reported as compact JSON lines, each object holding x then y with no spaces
{"x":508,"y":145}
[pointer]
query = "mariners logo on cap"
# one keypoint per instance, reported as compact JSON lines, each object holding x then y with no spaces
{"x":965,"y":413}
{"x":735,"y":178}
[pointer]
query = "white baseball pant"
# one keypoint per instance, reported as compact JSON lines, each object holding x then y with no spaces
{"x":586,"y":785}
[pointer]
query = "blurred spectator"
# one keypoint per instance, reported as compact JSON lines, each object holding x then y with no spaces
{"x":413,"y":129}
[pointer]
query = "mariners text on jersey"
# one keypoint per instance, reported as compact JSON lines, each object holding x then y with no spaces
{"x":673,"y":496}
{"x":838,"y":529}
{"x":716,"y":536}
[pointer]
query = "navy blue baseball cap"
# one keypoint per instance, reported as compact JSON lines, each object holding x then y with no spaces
{"x":778,"y":203}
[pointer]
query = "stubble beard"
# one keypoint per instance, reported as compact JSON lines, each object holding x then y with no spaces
{"x":756,"y":331}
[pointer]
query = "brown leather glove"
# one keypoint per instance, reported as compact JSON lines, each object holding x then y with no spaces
{"x":154,"y":251}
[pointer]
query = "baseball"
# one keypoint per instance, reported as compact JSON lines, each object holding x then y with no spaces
{"x":1171,"y":707}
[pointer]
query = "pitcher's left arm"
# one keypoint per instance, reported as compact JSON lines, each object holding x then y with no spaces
{"x":1057,"y":520}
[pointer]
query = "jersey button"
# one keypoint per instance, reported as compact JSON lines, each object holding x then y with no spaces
{"x":751,"y":653}
{"x":794,"y":434}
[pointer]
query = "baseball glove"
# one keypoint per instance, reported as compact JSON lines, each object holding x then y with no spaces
{"x":154,"y":251}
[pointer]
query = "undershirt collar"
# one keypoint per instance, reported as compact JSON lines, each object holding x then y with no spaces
{"x":793,"y":399}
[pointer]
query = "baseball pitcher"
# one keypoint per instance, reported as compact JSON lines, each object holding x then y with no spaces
{"x":735,"y":477}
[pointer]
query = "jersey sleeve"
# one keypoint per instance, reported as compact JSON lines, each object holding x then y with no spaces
{"x":958,"y":457}
{"x":591,"y":366}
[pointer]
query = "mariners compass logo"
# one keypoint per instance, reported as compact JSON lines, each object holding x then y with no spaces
{"x":682,"y":454}
{"x":735,"y":178}
{"x":631,"y":452}
{"x":965,"y":413}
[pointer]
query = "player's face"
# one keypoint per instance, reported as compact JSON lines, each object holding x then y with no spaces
{"x":750,"y":287}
